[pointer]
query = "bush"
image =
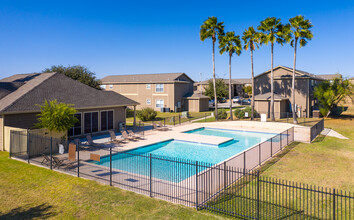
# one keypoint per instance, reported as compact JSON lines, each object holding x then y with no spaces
{"x":240,"y":113}
{"x":146,"y":114}
{"x":130,"y":113}
{"x":222,"y":113}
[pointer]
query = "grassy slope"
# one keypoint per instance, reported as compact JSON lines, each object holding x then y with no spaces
{"x":30,"y":191}
{"x":327,"y":162}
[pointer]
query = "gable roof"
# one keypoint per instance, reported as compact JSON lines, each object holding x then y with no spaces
{"x":300,"y":73}
{"x":233,"y":81}
{"x":195,"y":95}
{"x":146,"y":78}
{"x":34,"y":89}
{"x":267,"y":96}
{"x":330,"y":76}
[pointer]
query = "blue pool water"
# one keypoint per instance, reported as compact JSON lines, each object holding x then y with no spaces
{"x":187,"y":151}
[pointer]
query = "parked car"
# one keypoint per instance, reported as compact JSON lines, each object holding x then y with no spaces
{"x":222,"y":100}
{"x":246,"y":101}
{"x":211,"y":102}
{"x":236,"y":99}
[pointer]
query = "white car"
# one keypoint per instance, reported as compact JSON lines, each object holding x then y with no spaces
{"x":236,"y":99}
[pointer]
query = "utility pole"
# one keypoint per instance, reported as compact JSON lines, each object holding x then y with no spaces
{"x":201,"y":90}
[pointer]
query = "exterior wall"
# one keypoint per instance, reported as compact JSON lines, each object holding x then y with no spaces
{"x":173,"y":93}
{"x":263,"y":107}
{"x":283,"y":87}
{"x":1,"y":132}
{"x":193,"y":105}
{"x":7,"y":131}
{"x":25,"y":120}
{"x":203,"y":105}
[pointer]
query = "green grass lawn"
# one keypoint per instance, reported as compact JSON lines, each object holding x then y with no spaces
{"x":28,"y":191}
{"x":327,"y":162}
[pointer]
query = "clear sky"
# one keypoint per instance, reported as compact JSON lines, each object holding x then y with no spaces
{"x":127,"y":37}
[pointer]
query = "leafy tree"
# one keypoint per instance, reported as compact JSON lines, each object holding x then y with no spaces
{"x":330,"y":93}
{"x":79,"y":73}
{"x":273,"y":31}
{"x":222,"y":113}
{"x":300,"y":29}
{"x":232,"y":44}
{"x":146,"y":114}
{"x":221,"y":89}
{"x":248,"y":90}
{"x":251,"y":38}
{"x":211,"y":28}
{"x":58,"y":117}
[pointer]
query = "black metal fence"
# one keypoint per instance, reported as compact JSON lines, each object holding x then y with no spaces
{"x":256,"y":197}
{"x":222,"y":188}
{"x":317,"y":129}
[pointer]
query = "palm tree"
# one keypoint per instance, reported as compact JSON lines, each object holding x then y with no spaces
{"x":213,"y":29}
{"x":231,"y":44}
{"x":300,"y":29}
{"x":251,"y":39}
{"x":272,"y":31}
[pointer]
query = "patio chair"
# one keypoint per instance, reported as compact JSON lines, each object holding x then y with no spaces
{"x":114,"y":138}
{"x":63,"y":163}
{"x":163,"y":126}
{"x":90,"y":141}
{"x":137,"y":136}
{"x":46,"y":160}
{"x":159,"y":128}
{"x":77,"y":142}
{"x":126,"y":136}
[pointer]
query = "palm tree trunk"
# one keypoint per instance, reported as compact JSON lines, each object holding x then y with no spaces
{"x":214,"y":84}
{"x":252,"y":103}
{"x":272,"y":86}
{"x":230,"y":98}
{"x":293,"y":86}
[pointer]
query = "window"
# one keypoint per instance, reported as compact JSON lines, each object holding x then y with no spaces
{"x":103,"y":87}
{"x":159,"y":103}
{"x":159,"y":88}
{"x":111,"y":86}
{"x":106,"y":120}
{"x":148,"y":101}
{"x":76,"y":130}
{"x":90,"y":122}
{"x":148,"y":86}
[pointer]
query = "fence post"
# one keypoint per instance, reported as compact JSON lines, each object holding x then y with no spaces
{"x":287,"y":117}
{"x":179,"y":119}
{"x":110,"y":166}
{"x":225,"y":175}
{"x":334,"y":204}
{"x":271,"y":147}
{"x":143,"y":128}
{"x":78,"y":159}
{"x":196,"y":185}
{"x":244,"y":163}
{"x":259,"y":154}
{"x":28,"y":145}
{"x":51,"y":156}
{"x":205,"y":117}
{"x":164,"y":121}
{"x":287,"y":136}
{"x":258,"y":193}
{"x":174,"y":121}
{"x":281,"y":144}
{"x":150,"y":175}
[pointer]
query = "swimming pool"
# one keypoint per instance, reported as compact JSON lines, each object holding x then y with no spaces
{"x":187,"y":151}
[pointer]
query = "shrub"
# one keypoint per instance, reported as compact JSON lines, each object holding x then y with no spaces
{"x":240,"y":113}
{"x":222,"y":113}
{"x":130,"y":113}
{"x":146,"y":114}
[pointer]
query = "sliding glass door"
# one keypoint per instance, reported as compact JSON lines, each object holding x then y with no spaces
{"x":106,"y":120}
{"x":90,"y":122}
{"x":76,"y":130}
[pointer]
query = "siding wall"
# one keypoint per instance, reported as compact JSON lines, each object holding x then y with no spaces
{"x":1,"y":132}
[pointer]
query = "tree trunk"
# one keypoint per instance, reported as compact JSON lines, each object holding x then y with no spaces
{"x":272,"y":86}
{"x":252,"y":102}
{"x":230,"y":98}
{"x":293,"y":87}
{"x":214,"y":84}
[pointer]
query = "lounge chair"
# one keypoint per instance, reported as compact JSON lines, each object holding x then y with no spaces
{"x":63,"y":163}
{"x":159,"y":128}
{"x":137,"y":136}
{"x":163,"y":126}
{"x":126,"y":136}
{"x":114,"y":138}
{"x":90,"y":141}
{"x":46,"y":160}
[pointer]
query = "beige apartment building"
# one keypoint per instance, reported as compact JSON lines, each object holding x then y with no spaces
{"x":304,"y":89}
{"x":162,"y":92}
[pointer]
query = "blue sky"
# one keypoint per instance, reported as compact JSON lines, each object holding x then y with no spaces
{"x":126,"y":37}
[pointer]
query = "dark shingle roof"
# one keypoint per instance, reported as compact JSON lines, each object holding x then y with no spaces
{"x":50,"y":86}
{"x":145,"y":78}
{"x":267,"y":96}
{"x":233,"y":81}
{"x":196,"y":96}
{"x":300,"y":73}
{"x":330,"y":76}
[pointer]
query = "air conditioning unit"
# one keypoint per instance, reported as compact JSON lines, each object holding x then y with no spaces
{"x":121,"y":126}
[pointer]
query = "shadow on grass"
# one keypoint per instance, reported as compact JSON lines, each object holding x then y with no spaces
{"x":40,"y":211}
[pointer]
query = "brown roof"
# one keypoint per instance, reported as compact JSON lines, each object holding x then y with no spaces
{"x":36,"y":88}
{"x":196,"y":96}
{"x":300,"y":73}
{"x":330,"y":76}
{"x":146,"y":78}
{"x":267,"y":96}
{"x":233,"y":81}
